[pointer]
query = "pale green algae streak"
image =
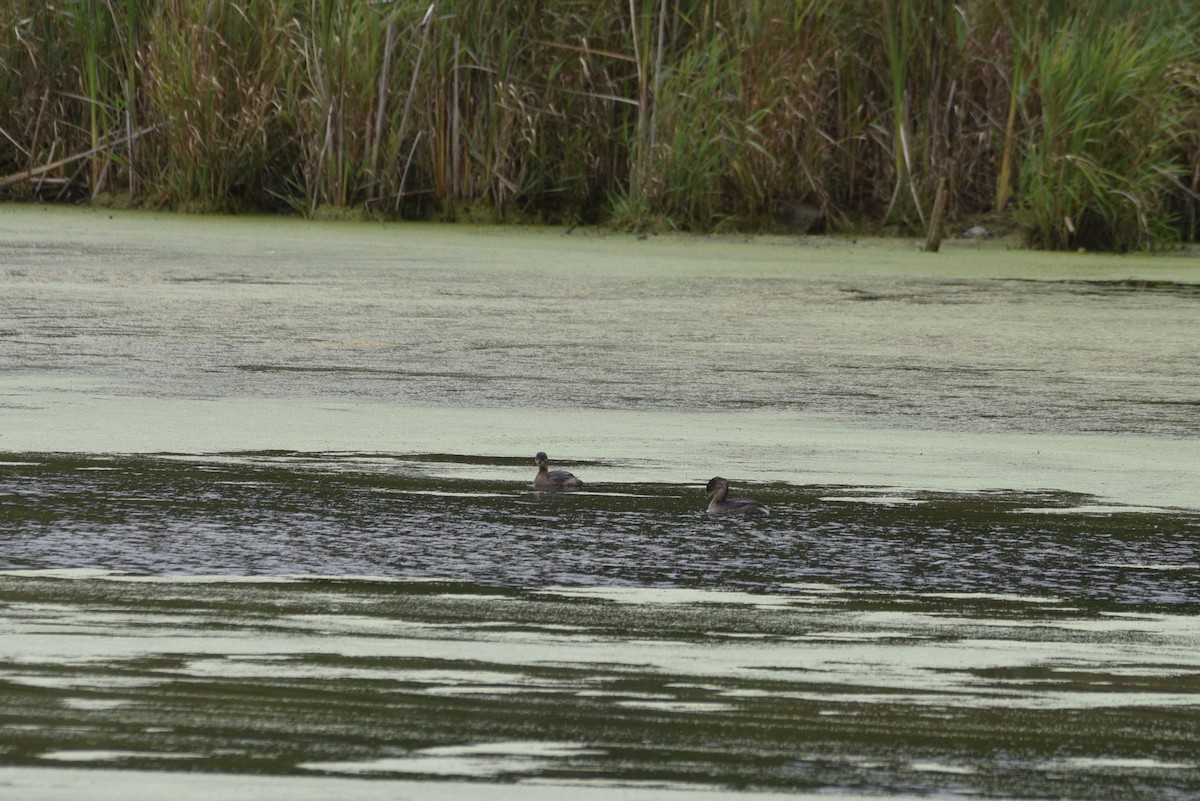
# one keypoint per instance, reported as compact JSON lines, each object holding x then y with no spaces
{"x":806,"y":360}
{"x":655,"y":693}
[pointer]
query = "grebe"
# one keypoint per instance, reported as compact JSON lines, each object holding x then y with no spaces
{"x":552,"y":479}
{"x":718,"y":488}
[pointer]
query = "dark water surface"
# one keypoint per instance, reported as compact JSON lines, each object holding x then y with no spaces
{"x":267,"y":531}
{"x":284,"y":514}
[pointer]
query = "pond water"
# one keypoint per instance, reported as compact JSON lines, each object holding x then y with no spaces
{"x":267,"y":526}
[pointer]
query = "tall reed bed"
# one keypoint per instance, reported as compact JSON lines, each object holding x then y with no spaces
{"x":213,"y":83}
{"x":1077,"y":119}
{"x":1103,"y":158}
{"x":53,"y":93}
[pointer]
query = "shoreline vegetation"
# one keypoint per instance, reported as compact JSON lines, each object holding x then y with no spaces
{"x":1075,"y":123}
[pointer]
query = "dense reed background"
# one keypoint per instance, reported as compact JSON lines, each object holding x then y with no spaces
{"x":1078,"y":121}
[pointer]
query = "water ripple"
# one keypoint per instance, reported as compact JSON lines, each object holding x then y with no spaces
{"x":268,"y":516}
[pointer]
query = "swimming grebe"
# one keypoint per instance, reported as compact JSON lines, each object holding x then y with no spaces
{"x":552,"y":479}
{"x":718,"y":488}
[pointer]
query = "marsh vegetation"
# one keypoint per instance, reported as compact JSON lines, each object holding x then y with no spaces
{"x":1076,"y":121}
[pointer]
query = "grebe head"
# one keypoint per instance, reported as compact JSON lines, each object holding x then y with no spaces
{"x":541,"y":458}
{"x":715,"y":485}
